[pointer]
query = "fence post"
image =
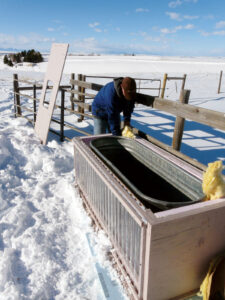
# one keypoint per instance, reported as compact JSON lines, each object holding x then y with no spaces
{"x":159,"y":87}
{"x":183,"y":82}
{"x":62,"y":115}
{"x":16,"y":95}
{"x":220,"y":80}
{"x":164,"y":85}
{"x":72,"y":88}
{"x":34,"y":102}
{"x":81,"y":98}
{"x":179,"y":124}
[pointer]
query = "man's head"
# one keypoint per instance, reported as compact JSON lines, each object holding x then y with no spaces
{"x":128,"y":86}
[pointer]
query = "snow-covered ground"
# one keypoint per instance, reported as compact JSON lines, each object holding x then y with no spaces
{"x":45,"y":234}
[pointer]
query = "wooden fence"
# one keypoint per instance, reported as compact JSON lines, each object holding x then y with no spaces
{"x":78,"y":99}
{"x":167,"y":78}
{"x":82,"y":93}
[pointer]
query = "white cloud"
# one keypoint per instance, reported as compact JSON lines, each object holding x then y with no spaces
{"x":93,"y":25}
{"x":90,"y":39}
{"x":176,"y":3}
{"x":166,"y":31}
{"x":31,"y":40}
{"x":141,"y":10}
{"x":143,"y":33}
{"x":58,"y":28}
{"x":153,"y":39}
{"x":174,"y":16}
{"x":190,"y":17}
{"x":57,"y":21}
{"x":96,"y":28}
{"x":146,"y":37}
{"x":143,"y":48}
{"x":177,"y":17}
{"x":222,"y":32}
{"x":90,"y":45}
{"x":220,"y":24}
{"x":213,"y":33}
{"x":209,"y":17}
{"x":189,"y":26}
{"x":177,"y":28}
{"x":204,"y":33}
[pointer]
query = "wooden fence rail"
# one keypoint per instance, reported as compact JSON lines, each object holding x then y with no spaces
{"x":138,"y":80}
{"x":198,"y":114}
{"x":166,"y":78}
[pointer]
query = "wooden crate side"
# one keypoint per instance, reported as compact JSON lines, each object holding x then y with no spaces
{"x":181,"y":250}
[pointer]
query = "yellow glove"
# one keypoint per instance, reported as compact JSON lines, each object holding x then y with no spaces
{"x":213,"y":184}
{"x":127,"y":132}
{"x":213,"y":282}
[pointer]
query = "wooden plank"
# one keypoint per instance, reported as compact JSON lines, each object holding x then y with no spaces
{"x":87,"y":85}
{"x":194,"y":113}
{"x":29,"y":88}
{"x":24,"y":108}
{"x":29,"y":82}
{"x":144,"y":99}
{"x":76,"y":92}
{"x":54,"y":72}
{"x":27,"y":96}
{"x":83,"y":105}
{"x":182,"y":248}
{"x":175,"y":78}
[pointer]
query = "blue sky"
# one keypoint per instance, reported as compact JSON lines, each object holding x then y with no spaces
{"x":156,"y":27}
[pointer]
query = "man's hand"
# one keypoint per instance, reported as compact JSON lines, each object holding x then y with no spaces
{"x":127,"y":132}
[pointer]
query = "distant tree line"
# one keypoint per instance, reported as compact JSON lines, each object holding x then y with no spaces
{"x":23,"y":56}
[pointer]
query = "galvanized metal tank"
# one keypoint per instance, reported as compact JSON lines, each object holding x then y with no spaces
{"x":153,"y":179}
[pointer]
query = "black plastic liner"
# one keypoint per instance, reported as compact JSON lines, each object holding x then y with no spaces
{"x":153,"y":179}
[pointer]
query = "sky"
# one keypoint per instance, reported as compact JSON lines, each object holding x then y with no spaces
{"x":153,"y":27}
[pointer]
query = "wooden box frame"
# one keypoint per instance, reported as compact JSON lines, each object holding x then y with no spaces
{"x":179,"y":243}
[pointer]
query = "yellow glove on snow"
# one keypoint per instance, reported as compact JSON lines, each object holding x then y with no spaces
{"x":213,"y":282}
{"x":127,"y":132}
{"x":213,"y":184}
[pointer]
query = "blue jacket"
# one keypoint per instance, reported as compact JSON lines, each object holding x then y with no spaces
{"x":109,"y":103}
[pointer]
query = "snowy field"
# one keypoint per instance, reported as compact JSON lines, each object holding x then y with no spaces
{"x":48,"y":248}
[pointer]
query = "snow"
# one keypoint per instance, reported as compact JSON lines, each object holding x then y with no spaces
{"x":45,"y":233}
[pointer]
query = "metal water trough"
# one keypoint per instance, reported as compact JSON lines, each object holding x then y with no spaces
{"x":152,"y":178}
